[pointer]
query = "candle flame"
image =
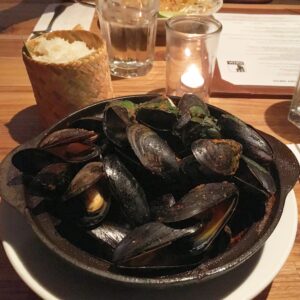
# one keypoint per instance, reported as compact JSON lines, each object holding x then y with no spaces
{"x":192,"y":78}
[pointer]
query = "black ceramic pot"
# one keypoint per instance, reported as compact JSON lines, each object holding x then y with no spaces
{"x":286,"y":172}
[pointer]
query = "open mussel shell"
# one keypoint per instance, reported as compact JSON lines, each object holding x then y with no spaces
{"x":126,"y":191}
{"x":117,"y":116}
{"x":217,"y":157}
{"x":67,"y":136}
{"x":85,"y":178}
{"x":205,"y":236}
{"x":32,"y":160}
{"x":153,"y":152}
{"x":261,"y":174}
{"x":148,"y":238}
{"x":87,"y":199}
{"x":96,"y":206}
{"x":73,"y":145}
{"x":159,"y":113}
{"x":255,"y":178}
{"x":198,"y":200}
{"x":86,"y":210}
{"x":254,"y":145}
{"x":77,"y":153}
{"x":95,"y":123}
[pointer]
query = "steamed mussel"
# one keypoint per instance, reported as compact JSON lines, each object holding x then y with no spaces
{"x":152,"y":186}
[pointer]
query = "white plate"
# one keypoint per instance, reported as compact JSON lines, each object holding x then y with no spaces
{"x":51,"y":278}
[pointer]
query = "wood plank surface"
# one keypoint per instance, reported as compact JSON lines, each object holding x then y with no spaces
{"x":19,"y":121}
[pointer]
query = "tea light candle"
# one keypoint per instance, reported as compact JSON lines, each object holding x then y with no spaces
{"x":192,"y":77}
{"x":191,"y":44}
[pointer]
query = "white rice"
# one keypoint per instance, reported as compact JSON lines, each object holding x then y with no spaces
{"x":58,"y":50}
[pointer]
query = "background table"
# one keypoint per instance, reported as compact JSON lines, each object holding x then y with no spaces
{"x":19,"y":122}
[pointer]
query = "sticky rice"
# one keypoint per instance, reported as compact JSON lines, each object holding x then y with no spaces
{"x":57,"y":50}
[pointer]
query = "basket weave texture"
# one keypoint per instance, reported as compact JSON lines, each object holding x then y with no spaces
{"x":61,"y":89}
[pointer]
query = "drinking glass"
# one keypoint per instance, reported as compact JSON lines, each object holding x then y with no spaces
{"x":129,"y":28}
{"x":294,"y":112}
{"x":192,"y":43}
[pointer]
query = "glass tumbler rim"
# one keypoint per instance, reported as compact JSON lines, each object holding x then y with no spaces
{"x":151,"y":5}
{"x":198,"y":18}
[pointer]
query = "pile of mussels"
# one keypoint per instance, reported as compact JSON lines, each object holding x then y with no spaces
{"x":152,"y":186}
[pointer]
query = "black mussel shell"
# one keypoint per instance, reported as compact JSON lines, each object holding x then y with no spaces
{"x":152,"y":184}
{"x":89,"y":123}
{"x":217,"y":157}
{"x":109,"y":233}
{"x":165,"y":260}
{"x":198,"y":128}
{"x":189,"y":168}
{"x":163,"y":202}
{"x":175,"y":142}
{"x":205,"y":236}
{"x":192,"y":105}
{"x":255,"y":176}
{"x":153,"y":152}
{"x":127,"y":191}
{"x":148,"y":238}
{"x":94,"y":123}
{"x":159,"y":113}
{"x":195,"y":121}
{"x":84,"y":179}
{"x":86,"y":201}
{"x":254,"y":145}
{"x":77,"y":152}
{"x":261,"y":174}
{"x":73,"y":145}
{"x":198,"y":200}
{"x":117,"y":116}
{"x":32,"y":160}
{"x":67,"y":136}
{"x":87,"y":209}
{"x":52,"y":179}
{"x":221,"y":242}
{"x":100,"y":241}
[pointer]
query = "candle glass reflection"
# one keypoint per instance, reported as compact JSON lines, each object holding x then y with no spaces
{"x":192,"y":43}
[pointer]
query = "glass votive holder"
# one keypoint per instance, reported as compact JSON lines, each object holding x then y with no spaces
{"x":191,"y":48}
{"x":294,"y":111}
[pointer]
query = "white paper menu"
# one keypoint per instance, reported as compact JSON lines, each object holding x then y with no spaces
{"x":75,"y":14}
{"x":256,"y":49}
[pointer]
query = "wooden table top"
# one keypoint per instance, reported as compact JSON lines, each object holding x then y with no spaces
{"x":19,"y":122}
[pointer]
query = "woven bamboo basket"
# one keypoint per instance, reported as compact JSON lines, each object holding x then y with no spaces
{"x":60,"y":89}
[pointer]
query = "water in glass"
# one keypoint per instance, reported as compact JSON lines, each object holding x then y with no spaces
{"x":130,"y":33}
